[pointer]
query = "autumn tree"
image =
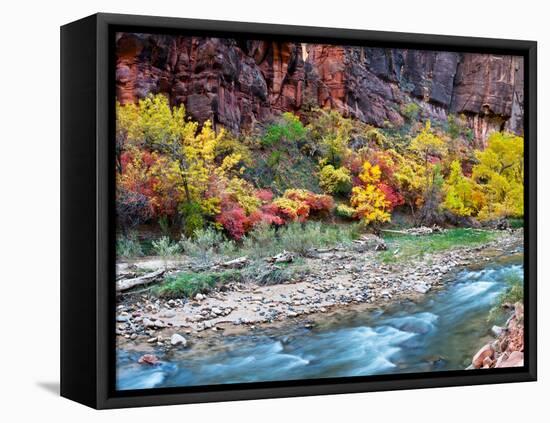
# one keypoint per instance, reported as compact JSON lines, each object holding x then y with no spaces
{"x":427,"y":145}
{"x":368,"y":199}
{"x":462,"y":195}
{"x":500,"y":172}
{"x":332,"y":134}
{"x":335,"y":180}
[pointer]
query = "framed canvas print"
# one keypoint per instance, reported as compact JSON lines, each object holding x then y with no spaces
{"x":255,"y":211}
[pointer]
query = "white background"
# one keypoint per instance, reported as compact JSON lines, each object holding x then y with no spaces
{"x":29,"y":207}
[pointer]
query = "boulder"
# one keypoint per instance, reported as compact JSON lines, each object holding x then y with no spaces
{"x":176,"y":339}
{"x":149,"y":359}
{"x":484,"y":352}
{"x":515,"y":359}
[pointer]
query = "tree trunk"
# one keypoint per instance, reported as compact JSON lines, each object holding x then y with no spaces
{"x":126,"y":284}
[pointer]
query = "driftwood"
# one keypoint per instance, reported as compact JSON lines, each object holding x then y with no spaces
{"x":126,"y":284}
{"x":236,"y":263}
{"x":394,"y":231}
{"x":284,"y":257}
{"x":369,"y":242}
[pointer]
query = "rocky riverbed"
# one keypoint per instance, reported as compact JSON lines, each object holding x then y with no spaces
{"x":342,"y":277}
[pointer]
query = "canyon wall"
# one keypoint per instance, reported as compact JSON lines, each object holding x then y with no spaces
{"x":237,"y":83}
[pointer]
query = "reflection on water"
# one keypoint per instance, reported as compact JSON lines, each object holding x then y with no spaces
{"x":439,"y":333}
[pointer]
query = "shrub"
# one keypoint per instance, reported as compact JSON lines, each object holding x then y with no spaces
{"x":230,"y":147}
{"x":261,"y":241}
{"x":300,"y":238}
{"x":186,"y":284}
{"x":234,"y":221}
{"x":132,"y":208}
{"x":192,"y":218}
{"x":263,"y":273}
{"x":514,"y":293}
{"x":315,"y":202}
{"x":288,"y":129}
{"x":291,"y":210}
{"x":166,"y":248}
{"x":392,"y":196}
{"x":241,"y":192}
{"x":410,"y":111}
{"x":128,"y":246}
{"x":334,"y":181}
{"x":346,"y":211}
{"x":264,"y":195}
{"x":332,"y":134}
{"x":268,"y":214}
{"x":203,"y":245}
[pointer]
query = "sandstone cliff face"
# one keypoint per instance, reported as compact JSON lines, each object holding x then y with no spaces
{"x":237,"y":83}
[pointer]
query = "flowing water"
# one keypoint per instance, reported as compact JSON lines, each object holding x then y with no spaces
{"x":440,"y":332}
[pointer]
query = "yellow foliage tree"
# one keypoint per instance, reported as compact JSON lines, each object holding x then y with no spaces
{"x":332,"y":132}
{"x":500,"y":172}
{"x":463,"y":196}
{"x":191,"y":152}
{"x":368,"y":200}
{"x":427,"y":144}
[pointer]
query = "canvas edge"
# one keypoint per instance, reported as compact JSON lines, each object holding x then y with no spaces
{"x":103,"y":314}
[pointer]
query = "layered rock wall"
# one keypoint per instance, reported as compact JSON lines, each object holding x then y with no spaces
{"x":236,"y":83}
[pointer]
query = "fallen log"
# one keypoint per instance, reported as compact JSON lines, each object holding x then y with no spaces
{"x":125,"y":284}
{"x":236,"y":263}
{"x":284,"y":257}
{"x":394,"y":231}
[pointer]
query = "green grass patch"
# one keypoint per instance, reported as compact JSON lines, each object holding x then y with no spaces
{"x":298,"y":238}
{"x":188,"y":284}
{"x":516,"y":223}
{"x":512,"y":295}
{"x":408,"y":247}
{"x":263,"y":273}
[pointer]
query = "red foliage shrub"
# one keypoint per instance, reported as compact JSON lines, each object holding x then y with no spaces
{"x":234,"y":221}
{"x":394,"y":197}
{"x":354,"y":163}
{"x":264,"y":195}
{"x":315,"y":202}
{"x":267,"y":215}
{"x":384,"y":161}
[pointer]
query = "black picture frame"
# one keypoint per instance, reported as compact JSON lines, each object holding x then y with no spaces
{"x":87,"y":210}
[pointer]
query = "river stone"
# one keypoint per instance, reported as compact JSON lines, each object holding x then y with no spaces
{"x":168,"y":314}
{"x":421,"y":288}
{"x":150,"y":359}
{"x":485,"y":351}
{"x":497,"y":330}
{"x":148,"y":323}
{"x":177,"y":339}
{"x":514,"y":360}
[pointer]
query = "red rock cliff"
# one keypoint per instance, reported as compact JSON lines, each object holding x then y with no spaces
{"x":236,"y":83}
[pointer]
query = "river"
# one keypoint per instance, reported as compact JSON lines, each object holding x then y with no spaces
{"x":440,"y":332}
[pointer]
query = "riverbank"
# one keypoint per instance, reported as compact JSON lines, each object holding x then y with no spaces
{"x":507,"y":349}
{"x":338,"y":278}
